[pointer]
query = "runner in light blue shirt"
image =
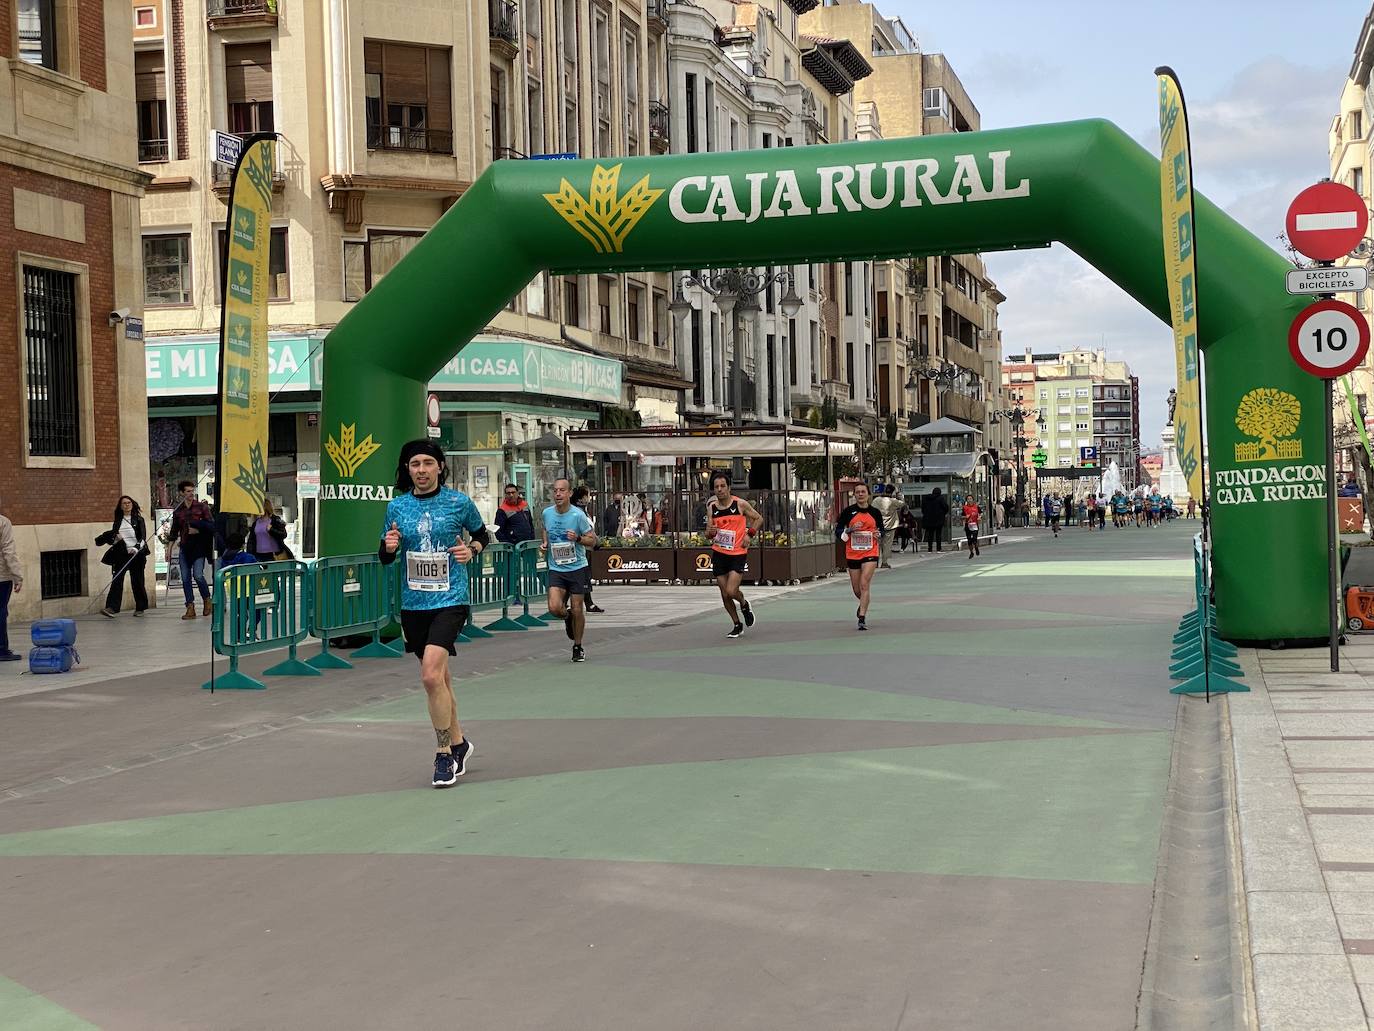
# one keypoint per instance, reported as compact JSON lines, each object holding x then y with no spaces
{"x":567,"y":533}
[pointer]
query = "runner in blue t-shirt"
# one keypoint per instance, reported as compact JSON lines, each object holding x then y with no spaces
{"x":567,"y":533}
{"x":424,"y":526}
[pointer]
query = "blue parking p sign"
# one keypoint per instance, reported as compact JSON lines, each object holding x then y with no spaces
{"x":1087,"y":455}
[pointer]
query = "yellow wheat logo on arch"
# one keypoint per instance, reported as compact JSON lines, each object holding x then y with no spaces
{"x":347,"y":453}
{"x":1270,"y":415}
{"x":606,"y":217}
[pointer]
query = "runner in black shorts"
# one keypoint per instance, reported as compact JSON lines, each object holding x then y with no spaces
{"x":730,"y":524}
{"x":567,"y":534}
{"x":860,"y":527}
{"x":424,"y":525}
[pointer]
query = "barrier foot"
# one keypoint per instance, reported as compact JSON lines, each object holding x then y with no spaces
{"x":328,"y":660}
{"x":472,"y":631}
{"x":549,"y":617}
{"x":1220,"y":647}
{"x":292,"y":667}
{"x":376,"y":650}
{"x":505,"y":623}
{"x":1187,"y":651}
{"x":532,"y":622}
{"x":1184,"y":670}
{"x":1217,"y":685}
{"x":1228,"y":669}
{"x":235,"y":681}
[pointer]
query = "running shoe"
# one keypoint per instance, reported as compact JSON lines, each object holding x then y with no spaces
{"x":568,"y":626}
{"x":462,"y":752}
{"x":595,"y":608}
{"x":863,"y":625}
{"x":445,"y":770}
{"x":738,"y":631}
{"x":578,"y":654}
{"x":748,"y":614}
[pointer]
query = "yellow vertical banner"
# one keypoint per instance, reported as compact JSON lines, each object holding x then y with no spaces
{"x":1180,"y":268}
{"x":241,"y":476}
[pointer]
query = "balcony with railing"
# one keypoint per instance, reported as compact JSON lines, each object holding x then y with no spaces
{"x":508,"y":154}
{"x":505,"y":27}
{"x":240,"y":14}
{"x":400,"y":137}
{"x":152,"y":152}
{"x":659,"y":139}
{"x":656,"y":13}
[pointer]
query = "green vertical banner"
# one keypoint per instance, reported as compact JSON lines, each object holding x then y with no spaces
{"x":1180,"y":268}
{"x":241,"y":473}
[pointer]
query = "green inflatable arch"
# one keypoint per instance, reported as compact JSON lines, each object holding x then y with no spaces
{"x":1085,"y":184}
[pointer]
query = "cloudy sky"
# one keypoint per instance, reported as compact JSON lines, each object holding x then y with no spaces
{"x":1262,"y":84}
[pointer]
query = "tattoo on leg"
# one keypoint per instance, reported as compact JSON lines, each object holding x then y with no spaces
{"x":445,"y":737}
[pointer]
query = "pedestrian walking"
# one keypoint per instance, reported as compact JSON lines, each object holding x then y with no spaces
{"x":193,"y":528}
{"x":730,"y":523}
{"x":11,"y":582}
{"x":906,"y":525}
{"x":934,"y":512}
{"x":1192,"y":508}
{"x":567,"y":533}
{"x":267,"y":536}
{"x":514,"y":520}
{"x":1025,"y":513}
{"x":127,"y":554}
{"x":425,"y":521}
{"x":886,"y":504}
{"x":860,"y":527}
{"x":1008,"y":511}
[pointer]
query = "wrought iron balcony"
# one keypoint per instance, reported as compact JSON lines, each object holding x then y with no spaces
{"x":240,"y":14}
{"x":508,"y":154}
{"x":659,"y":139}
{"x":398,"y":137}
{"x":504,"y":17}
{"x":656,"y":12}
{"x":152,"y":152}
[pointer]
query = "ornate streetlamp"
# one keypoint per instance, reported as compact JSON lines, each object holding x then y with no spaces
{"x":735,"y":291}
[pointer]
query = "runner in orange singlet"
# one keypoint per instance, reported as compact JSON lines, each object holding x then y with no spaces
{"x":730,"y":523}
{"x":861,"y":528}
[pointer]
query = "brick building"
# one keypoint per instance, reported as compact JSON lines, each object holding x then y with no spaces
{"x":73,"y":411}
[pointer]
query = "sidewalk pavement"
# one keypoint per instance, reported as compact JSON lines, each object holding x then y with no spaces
{"x":1303,"y":765}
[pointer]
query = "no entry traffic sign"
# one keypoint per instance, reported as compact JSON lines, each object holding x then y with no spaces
{"x":1326,"y":221}
{"x":1328,"y":338}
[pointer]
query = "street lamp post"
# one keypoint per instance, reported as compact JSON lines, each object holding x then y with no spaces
{"x":734,"y":292}
{"x":1017,"y":417}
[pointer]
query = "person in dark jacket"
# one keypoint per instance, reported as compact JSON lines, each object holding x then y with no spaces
{"x":612,"y":516}
{"x":582,"y":498}
{"x":127,"y":539}
{"x":934,"y":512}
{"x":193,"y":527}
{"x":514,"y":521}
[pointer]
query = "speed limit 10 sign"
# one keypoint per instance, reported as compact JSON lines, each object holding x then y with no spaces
{"x":1329,"y":338}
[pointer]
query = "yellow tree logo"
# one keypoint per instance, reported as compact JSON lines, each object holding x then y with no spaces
{"x":1269,"y":415}
{"x":345,"y":454}
{"x":605,"y":218}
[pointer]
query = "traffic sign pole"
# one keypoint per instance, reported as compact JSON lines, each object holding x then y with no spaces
{"x":1333,"y":574}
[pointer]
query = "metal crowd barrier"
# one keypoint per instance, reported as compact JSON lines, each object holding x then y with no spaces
{"x":530,"y":581}
{"x":258,"y":607}
{"x":352,"y":594}
{"x":1201,"y":659}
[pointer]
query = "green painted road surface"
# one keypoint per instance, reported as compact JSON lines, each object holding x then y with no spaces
{"x":951,"y":821}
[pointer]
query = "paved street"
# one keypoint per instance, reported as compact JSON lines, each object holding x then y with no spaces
{"x":949,"y":822}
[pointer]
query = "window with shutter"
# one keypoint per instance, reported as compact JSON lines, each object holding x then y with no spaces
{"x":150,"y":88}
{"x":248,"y":87}
{"x":408,"y":97}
